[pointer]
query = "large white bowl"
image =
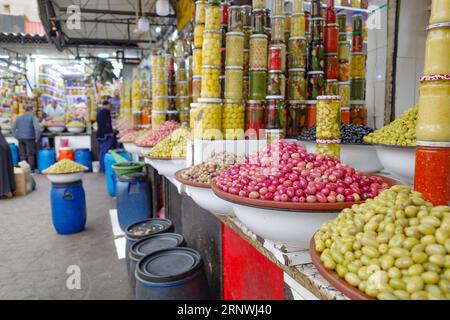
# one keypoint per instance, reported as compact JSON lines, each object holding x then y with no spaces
{"x":166,"y":168}
{"x":131,"y":148}
{"x":75,"y":129}
{"x":6,"y":131}
{"x":206,"y":199}
{"x":362,"y":157}
{"x":144,"y":150}
{"x":56,"y":129}
{"x":65,"y":178}
{"x":290,"y":228}
{"x":398,"y":160}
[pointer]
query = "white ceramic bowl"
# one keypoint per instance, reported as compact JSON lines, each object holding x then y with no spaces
{"x":56,"y":129}
{"x":362,"y":157}
{"x":144,"y":150}
{"x":166,"y":168}
{"x":398,"y":160}
{"x":131,"y":148}
{"x":6,"y":131}
{"x":206,"y":199}
{"x":65,"y":178}
{"x":75,"y":129}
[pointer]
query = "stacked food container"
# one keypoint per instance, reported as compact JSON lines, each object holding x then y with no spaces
{"x":182,"y":89}
{"x":160,"y":90}
{"x":432,"y":171}
{"x":344,"y":68}
{"x":328,"y":118}
{"x":146,"y":106}
{"x":136,"y":99}
{"x":257,"y":70}
{"x":358,"y":113}
{"x":296,"y":85}
{"x":331,"y":37}
{"x":223,"y":30}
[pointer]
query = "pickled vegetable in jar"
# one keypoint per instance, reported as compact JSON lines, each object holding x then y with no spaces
{"x":160,"y":103}
{"x":172,"y":115}
{"x":224,"y":13}
{"x":160,"y":87}
{"x":297,"y":84}
{"x":357,"y":23}
{"x":331,"y":36}
{"x":184,"y":116}
{"x":272,"y":135}
{"x":246,"y":12}
{"x":258,"y":51}
{"x":257,"y":84}
{"x":208,"y":122}
{"x":246,"y":61}
{"x":158,"y":118}
{"x":275,"y":113}
{"x":159,"y":73}
{"x":233,"y":119}
{"x":182,"y":102}
{"x":211,"y":48}
{"x":295,"y":118}
{"x":297,"y":53}
{"x":316,"y":56}
{"x":200,"y":7}
{"x":342,"y":37}
{"x":196,"y":87}
{"x":223,"y":32}
{"x":193,"y":114}
{"x":255,"y":119}
{"x":233,"y":83}
{"x":298,"y":25}
{"x":315,"y":84}
{"x":357,"y":89}
{"x":259,"y":4}
{"x":440,"y":11}
{"x":316,"y":29}
{"x":310,"y":113}
{"x":247,"y":34}
{"x":210,"y":82}
{"x":357,"y":65}
{"x":159,"y":61}
{"x":278,"y":28}
{"x":357,"y":43}
{"x":182,"y":88}
{"x":259,"y":21}
{"x":198,"y":35}
{"x":235,"y":49}
{"x":297,"y":6}
{"x":331,"y":87}
{"x":245,"y":87}
{"x":345,"y":115}
{"x":275,"y":58}
{"x":328,"y":117}
{"x":276,"y":83}
{"x":344,"y":93}
{"x":342,"y":22}
{"x":235,"y":23}
{"x":222,"y":87}
{"x":197,"y":62}
{"x":344,"y":49}
{"x":437,"y":50}
{"x":331,"y":66}
{"x":358,"y":113}
{"x":344,"y":72}
{"x":277,"y":7}
{"x":212,"y":17}
{"x":433,"y":122}
{"x":171,"y":89}
{"x":181,"y":74}
{"x":329,"y":149}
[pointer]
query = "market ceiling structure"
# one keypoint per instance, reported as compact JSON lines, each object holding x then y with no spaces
{"x":104,"y":23}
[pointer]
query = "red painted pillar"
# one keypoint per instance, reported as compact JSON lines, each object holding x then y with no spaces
{"x":247,"y":274}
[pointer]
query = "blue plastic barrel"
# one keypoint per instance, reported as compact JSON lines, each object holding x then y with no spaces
{"x":68,"y":207}
{"x":149,"y":245}
{"x":45,"y":159}
{"x":133,"y":197}
{"x":109,"y":172}
{"x":14,"y":153}
{"x":144,"y":229}
{"x":84,"y":157}
{"x":171,"y":274}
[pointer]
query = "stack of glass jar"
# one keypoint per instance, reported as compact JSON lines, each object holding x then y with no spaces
{"x":207,"y":116}
{"x":200,"y":7}
{"x":233,"y":116}
{"x":331,"y":37}
{"x":275,"y":113}
{"x":296,"y":83}
{"x":247,"y":20}
{"x":328,"y":118}
{"x":344,"y":68}
{"x":146,"y":105}
{"x":136,"y":99}
{"x":224,"y":6}
{"x":160,"y":88}
{"x":258,"y":43}
{"x":358,"y":113}
{"x":182,"y":90}
{"x":172,"y":113}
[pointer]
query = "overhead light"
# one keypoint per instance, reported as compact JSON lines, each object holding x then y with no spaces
{"x":3,"y":64}
{"x":103,"y":55}
{"x":143,"y":25}
{"x":4,"y":56}
{"x":158,"y":29}
{"x":162,"y":7}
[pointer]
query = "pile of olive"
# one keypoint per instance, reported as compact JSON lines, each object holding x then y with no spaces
{"x":350,"y":133}
{"x":206,"y":171}
{"x":396,"y":246}
{"x":401,"y":131}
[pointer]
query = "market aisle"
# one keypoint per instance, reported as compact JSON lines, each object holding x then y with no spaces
{"x":34,"y":259}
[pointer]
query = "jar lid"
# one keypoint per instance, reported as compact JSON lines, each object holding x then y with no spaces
{"x":331,"y":25}
{"x":345,"y":108}
{"x":233,"y":101}
{"x":278,"y":17}
{"x":222,"y":77}
{"x":182,"y":81}
{"x":200,"y":2}
{"x":197,"y":77}
{"x":357,"y":54}
{"x":344,"y":83}
{"x":182,"y":97}
{"x":438,"y":25}
{"x":234,"y":68}
{"x":332,"y":80}
{"x":435,"y":77}
{"x":246,"y":50}
{"x":259,"y":10}
{"x":317,"y":19}
{"x":297,"y":102}
{"x":277,"y":45}
{"x":274,"y":97}
{"x":439,"y":144}
{"x":296,"y":70}
{"x":234,"y":7}
{"x":256,"y":101}
{"x":259,"y":35}
{"x":212,"y":31}
{"x":194,"y":105}
{"x":209,"y":100}
{"x":296,"y":38}
{"x":258,"y":69}
{"x":210,"y":67}
{"x":276,"y":72}
{"x":343,"y":33}
{"x":298,"y":14}
{"x":315,"y":72}
{"x":161,"y":97}
{"x":158,"y":112}
{"x":358,"y":102}
{"x":234,"y":33}
{"x":335,"y":97}
{"x":172,"y":111}
{"x":328,"y":141}
{"x":341,"y":43}
{"x":331,"y":54}
{"x":246,"y":6}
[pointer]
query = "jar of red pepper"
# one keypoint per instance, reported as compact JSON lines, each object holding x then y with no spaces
{"x":331,"y":65}
{"x":255,"y":119}
{"x":316,"y":84}
{"x":357,"y":43}
{"x":275,"y":113}
{"x":331,"y":38}
{"x":275,"y":58}
{"x":310,"y":113}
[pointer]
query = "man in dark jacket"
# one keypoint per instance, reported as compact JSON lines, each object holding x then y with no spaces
{"x":105,"y":134}
{"x":7,"y":181}
{"x":26,"y":129}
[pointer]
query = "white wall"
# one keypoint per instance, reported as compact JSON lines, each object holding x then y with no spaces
{"x":21,"y":7}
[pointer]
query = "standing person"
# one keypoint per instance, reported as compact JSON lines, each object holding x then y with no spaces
{"x":115,"y":104}
{"x":7,"y":181}
{"x":54,"y":110}
{"x":105,"y":134}
{"x":26,"y":129}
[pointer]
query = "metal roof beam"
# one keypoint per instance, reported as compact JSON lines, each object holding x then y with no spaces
{"x":118,"y":12}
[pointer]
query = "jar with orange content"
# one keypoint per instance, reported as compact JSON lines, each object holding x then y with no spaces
{"x":437,"y":49}
{"x":345,"y":115}
{"x":310,"y":113}
{"x":433,"y":121}
{"x":358,"y":112}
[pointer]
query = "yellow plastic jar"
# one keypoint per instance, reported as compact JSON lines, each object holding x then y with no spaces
{"x":210,"y":82}
{"x":233,"y":83}
{"x":298,"y":25}
{"x":212,"y":17}
{"x":358,"y":65}
{"x":433,"y":122}
{"x":235,"y":49}
{"x":208,"y":123}
{"x":437,"y":51}
{"x":233,"y":119}
{"x":328,"y":117}
{"x":440,"y":11}
{"x":211,"y":48}
{"x":197,"y":62}
{"x":258,"y":51}
{"x":198,"y":35}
